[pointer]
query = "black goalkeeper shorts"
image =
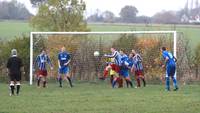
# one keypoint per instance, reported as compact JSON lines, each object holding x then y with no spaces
{"x":15,"y":76}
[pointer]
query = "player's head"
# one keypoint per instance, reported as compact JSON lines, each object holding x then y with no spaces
{"x":13,"y":52}
{"x":163,"y":49}
{"x":63,"y":49}
{"x":121,"y":52}
{"x":112,"y":49}
{"x":130,"y":55}
{"x":43,"y":51}
{"x":133,"y":51}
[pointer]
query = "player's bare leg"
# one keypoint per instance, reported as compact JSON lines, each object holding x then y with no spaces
{"x":106,"y":71}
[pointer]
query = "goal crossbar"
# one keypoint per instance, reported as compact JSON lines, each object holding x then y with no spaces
{"x":174,"y":33}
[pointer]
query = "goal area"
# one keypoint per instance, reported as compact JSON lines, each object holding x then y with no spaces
{"x":82,"y":45}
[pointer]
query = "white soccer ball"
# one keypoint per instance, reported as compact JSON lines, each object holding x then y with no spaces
{"x":96,"y":53}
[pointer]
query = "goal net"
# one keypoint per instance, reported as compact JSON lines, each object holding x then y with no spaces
{"x":82,"y":45}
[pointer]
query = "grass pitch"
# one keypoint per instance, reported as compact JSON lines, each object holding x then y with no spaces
{"x":100,"y":98}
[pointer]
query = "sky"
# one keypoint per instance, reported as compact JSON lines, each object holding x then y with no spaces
{"x":145,"y":7}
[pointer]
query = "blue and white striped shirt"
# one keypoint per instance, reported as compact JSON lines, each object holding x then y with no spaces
{"x":117,"y":57}
{"x":41,"y":61}
{"x":137,"y":61}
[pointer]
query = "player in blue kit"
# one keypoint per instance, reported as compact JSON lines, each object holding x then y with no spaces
{"x":170,"y":61}
{"x":63,"y":63}
{"x":124,"y":68}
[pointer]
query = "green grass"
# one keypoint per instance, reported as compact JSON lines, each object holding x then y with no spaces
{"x":10,"y":29}
{"x":100,"y":98}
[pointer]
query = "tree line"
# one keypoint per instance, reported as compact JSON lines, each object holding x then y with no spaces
{"x":129,"y":14}
{"x":13,"y":10}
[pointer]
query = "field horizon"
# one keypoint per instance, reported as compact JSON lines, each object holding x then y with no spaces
{"x":10,"y":29}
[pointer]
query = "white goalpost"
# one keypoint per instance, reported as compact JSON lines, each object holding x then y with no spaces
{"x":173,"y":33}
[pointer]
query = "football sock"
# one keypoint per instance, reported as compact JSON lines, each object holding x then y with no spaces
{"x":131,"y":84}
{"x":127,"y":83}
{"x":18,"y":88}
{"x":38,"y":81}
{"x":144,"y":82}
{"x":70,"y":82}
{"x":60,"y":81}
{"x":44,"y":84}
{"x":114,"y":83}
{"x":167,"y":83}
{"x":111,"y":79}
{"x":12,"y":88}
{"x":175,"y":82}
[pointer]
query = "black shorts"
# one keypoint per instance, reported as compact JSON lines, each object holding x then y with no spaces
{"x":15,"y":77}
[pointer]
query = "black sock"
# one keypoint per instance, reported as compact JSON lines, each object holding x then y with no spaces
{"x":127,"y":83}
{"x":44,"y":83}
{"x":131,"y":84}
{"x":38,"y":81}
{"x":70,"y":82}
{"x":12,"y":88}
{"x":60,"y":81}
{"x":144,"y":82}
{"x":18,"y":89}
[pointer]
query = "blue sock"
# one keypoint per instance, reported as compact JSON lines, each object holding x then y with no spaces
{"x":114,"y":83}
{"x":167,"y":83}
{"x":175,"y":82}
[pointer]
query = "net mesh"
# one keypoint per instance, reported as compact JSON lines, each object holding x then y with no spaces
{"x":85,"y":66}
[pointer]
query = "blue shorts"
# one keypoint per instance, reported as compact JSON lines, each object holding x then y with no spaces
{"x":64,"y":70}
{"x":170,"y":72}
{"x":124,"y":73}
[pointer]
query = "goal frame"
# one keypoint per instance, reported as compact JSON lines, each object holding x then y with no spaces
{"x":174,"y":33}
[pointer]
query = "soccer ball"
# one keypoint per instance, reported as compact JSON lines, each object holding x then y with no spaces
{"x":96,"y":53}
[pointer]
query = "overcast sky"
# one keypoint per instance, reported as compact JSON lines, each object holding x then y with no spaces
{"x":145,"y":7}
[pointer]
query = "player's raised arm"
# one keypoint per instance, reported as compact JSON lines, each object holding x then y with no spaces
{"x":112,"y":55}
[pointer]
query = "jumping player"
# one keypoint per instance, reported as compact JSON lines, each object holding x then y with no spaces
{"x":138,"y":68}
{"x":14,"y":69}
{"x":63,"y":63}
{"x":170,"y":61}
{"x":41,"y":60}
{"x":114,"y":66}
